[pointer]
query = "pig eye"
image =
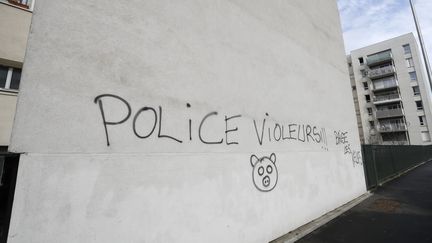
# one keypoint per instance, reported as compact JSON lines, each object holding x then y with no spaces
{"x":260,"y":170}
{"x":269,"y":169}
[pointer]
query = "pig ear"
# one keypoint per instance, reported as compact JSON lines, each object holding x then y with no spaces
{"x":273,"y":158}
{"x":253,"y":160}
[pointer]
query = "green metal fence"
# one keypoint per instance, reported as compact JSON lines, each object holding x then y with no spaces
{"x":381,"y":162}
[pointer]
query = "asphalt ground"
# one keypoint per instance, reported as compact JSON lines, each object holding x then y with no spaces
{"x":399,"y":211}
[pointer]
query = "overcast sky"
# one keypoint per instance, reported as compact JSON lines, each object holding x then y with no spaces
{"x":366,"y":22}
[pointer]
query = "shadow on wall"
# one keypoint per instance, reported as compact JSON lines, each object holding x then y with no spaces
{"x":8,"y":174}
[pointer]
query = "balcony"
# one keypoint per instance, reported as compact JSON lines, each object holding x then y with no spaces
{"x":20,"y":3}
{"x":388,"y":113}
{"x":391,"y":127}
{"x":384,"y":86}
{"x":381,"y":99}
{"x":381,"y":72}
{"x":379,"y":58}
{"x":396,"y":142}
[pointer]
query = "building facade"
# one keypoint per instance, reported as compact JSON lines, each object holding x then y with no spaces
{"x":15,"y":18}
{"x":182,"y":121}
{"x":391,"y":92}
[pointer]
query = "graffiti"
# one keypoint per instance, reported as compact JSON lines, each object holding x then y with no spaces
{"x":356,"y":158}
{"x":277,"y":132}
{"x":342,"y":140}
{"x":156,"y":124}
{"x":148,"y":122}
{"x":264,"y":172}
{"x":98,"y":101}
{"x":341,"y":137}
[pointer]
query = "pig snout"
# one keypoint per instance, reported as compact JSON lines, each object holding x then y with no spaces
{"x":266,"y":181}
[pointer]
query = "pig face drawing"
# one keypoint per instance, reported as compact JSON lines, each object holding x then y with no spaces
{"x":264,"y":173}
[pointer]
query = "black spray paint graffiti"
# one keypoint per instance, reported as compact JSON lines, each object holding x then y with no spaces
{"x":342,"y":140}
{"x":156,"y":114}
{"x":266,"y":131}
{"x":264,"y":172}
{"x":277,"y":132}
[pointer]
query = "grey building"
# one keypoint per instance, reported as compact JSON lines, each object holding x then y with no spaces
{"x":391,"y":93}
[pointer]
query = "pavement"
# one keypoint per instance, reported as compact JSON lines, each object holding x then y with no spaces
{"x":399,"y":211}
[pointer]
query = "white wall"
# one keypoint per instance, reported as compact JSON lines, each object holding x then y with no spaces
{"x":244,"y":58}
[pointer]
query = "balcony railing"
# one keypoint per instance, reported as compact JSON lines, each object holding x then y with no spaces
{"x":388,"y":113}
{"x":381,"y":72}
{"x":396,"y":142}
{"x":379,"y":58}
{"x":382,"y":86}
{"x":383,"y":98}
{"x":391,"y":127}
{"x":21,"y":3}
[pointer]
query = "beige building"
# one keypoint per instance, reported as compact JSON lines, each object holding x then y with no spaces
{"x":390,"y":93}
{"x":15,"y":18}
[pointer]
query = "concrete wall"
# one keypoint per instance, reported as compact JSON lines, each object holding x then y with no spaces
{"x":7,"y":107}
{"x":14,"y":26}
{"x":207,"y":82}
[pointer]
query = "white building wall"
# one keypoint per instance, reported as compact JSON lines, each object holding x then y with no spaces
{"x":269,"y":64}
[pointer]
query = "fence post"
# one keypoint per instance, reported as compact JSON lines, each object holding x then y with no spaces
{"x":374,"y":165}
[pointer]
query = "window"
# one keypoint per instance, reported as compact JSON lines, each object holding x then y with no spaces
{"x":349,"y":64}
{"x":363,"y":73}
{"x":413,"y":76}
{"x":354,"y":87}
{"x":425,"y":136}
{"x":422,"y":120}
{"x":409,"y":62}
{"x":15,"y":80}
{"x":369,"y":110}
{"x":416,"y":90}
{"x":365,"y":86}
{"x":361,"y":61}
{"x":371,"y":124}
{"x":367,"y":98}
{"x":9,"y":78}
{"x":419,"y":105}
{"x":3,"y":76}
{"x":407,"y":49}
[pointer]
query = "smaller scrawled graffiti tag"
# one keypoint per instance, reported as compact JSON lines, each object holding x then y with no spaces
{"x":264,"y":173}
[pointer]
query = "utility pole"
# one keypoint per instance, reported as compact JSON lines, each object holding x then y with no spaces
{"x":425,"y":57}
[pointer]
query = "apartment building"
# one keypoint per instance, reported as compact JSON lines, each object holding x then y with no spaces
{"x":391,"y":93}
{"x":15,"y":18}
